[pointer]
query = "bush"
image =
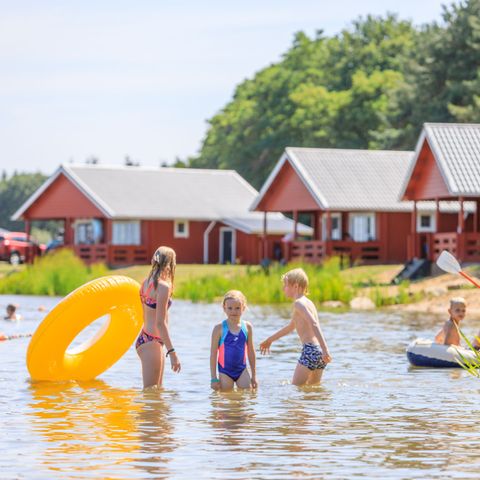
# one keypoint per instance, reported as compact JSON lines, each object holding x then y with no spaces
{"x":57,"y":273}
{"x":263,"y":285}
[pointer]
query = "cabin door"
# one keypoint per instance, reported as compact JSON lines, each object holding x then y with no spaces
{"x":227,"y":245}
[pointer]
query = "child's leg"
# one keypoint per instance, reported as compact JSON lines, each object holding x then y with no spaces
{"x":226,"y":383}
{"x":244,"y":380}
{"x":301,"y":375}
{"x":152,"y":363}
{"x":315,"y":376}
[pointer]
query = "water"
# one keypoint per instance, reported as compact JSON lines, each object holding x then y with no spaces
{"x":373,"y":416}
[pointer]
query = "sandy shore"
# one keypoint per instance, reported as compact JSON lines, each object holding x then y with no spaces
{"x":439,"y":290}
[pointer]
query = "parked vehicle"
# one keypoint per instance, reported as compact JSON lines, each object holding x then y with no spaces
{"x":18,"y":247}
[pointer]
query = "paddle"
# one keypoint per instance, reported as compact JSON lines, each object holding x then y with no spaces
{"x":14,"y":336}
{"x":446,"y":261}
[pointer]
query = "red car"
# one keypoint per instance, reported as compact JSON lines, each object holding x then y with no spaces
{"x":18,"y":247}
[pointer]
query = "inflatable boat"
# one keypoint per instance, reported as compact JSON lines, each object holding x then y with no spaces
{"x":427,"y":353}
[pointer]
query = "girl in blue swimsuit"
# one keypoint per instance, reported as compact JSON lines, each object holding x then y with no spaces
{"x":155,"y":294}
{"x":232,"y":344}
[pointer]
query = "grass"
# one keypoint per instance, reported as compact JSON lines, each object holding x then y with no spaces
{"x":55,"y":274}
{"x":209,"y":282}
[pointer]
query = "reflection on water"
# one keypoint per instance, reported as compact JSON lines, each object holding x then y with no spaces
{"x":372,"y":417}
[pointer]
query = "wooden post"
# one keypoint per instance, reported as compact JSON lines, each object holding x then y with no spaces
{"x":295,"y":225}
{"x":437,"y":215}
{"x":461,"y":218}
{"x":265,"y":246}
{"x":475,"y":216}
{"x":414,"y":230}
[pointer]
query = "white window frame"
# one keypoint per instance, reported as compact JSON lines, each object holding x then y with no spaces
{"x":234,"y":244}
{"x":324,"y":227}
{"x":137,"y":234}
{"x":177,"y":233}
{"x":372,"y":230}
{"x":432,"y":228}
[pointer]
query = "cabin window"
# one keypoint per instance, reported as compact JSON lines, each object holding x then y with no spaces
{"x":88,"y":231}
{"x":336,"y":226}
{"x":180,"y":229}
{"x":362,"y":227}
{"x":426,"y":222}
{"x":126,"y":233}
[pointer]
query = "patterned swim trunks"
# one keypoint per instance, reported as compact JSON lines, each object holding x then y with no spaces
{"x":311,"y":357}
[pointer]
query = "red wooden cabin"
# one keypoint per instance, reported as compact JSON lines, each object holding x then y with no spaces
{"x":446,"y":167}
{"x":351,"y":197}
{"x":120,"y":215}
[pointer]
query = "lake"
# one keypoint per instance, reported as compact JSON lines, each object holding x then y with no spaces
{"x":372,"y":417}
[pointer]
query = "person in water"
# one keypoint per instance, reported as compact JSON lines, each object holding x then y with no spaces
{"x":155,"y":294}
{"x":12,"y":315}
{"x":232,"y":344}
{"x":449,"y":334}
{"x":315,"y":354}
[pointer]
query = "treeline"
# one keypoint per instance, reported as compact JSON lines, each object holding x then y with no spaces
{"x":14,"y":191}
{"x":370,"y":87}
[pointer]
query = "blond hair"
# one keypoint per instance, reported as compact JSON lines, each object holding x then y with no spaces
{"x":297,"y":276}
{"x":164,"y":258}
{"x":235,"y":295}
{"x":457,"y":301}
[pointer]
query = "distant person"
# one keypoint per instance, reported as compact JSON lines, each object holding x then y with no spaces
{"x":315,"y":354}
{"x":232,"y":344}
{"x":12,"y":315}
{"x":449,"y":334}
{"x":156,"y":293}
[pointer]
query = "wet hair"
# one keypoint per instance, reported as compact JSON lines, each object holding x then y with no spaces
{"x":457,"y":301}
{"x":163,"y":258}
{"x":297,"y":276}
{"x":12,"y":308}
{"x":235,"y":295}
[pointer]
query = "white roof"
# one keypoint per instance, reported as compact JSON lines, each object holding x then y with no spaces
{"x":456,"y":148}
{"x":129,"y":192}
{"x":353,"y":180}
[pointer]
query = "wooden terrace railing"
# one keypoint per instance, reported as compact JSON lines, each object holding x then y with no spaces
{"x":112,"y":255}
{"x":316,"y":251}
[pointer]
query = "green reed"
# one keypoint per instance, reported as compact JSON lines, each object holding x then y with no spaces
{"x":57,"y":273}
{"x":472,"y":366}
{"x":264,"y":285}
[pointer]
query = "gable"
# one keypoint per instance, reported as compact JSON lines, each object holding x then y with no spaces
{"x":426,"y":181}
{"x":62,"y":199}
{"x":286,"y":193}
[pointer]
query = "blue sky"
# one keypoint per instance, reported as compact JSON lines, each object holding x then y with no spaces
{"x":117,"y":78}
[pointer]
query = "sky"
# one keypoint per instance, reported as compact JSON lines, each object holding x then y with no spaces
{"x":141,"y":78}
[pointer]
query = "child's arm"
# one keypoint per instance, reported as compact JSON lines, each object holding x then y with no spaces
{"x":252,"y":359}
{"x":214,"y":382}
{"x":440,"y":336}
{"x":307,"y":314}
{"x":265,"y":345}
{"x":163,"y":294}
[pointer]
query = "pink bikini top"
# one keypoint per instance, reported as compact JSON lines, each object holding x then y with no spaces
{"x":147,"y":299}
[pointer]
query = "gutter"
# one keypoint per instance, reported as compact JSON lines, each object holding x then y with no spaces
{"x":206,"y":233}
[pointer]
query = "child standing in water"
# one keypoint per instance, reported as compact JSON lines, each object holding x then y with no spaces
{"x":315,"y":354}
{"x":12,"y":315}
{"x":155,"y":294}
{"x":232,"y":343}
{"x":449,"y":333}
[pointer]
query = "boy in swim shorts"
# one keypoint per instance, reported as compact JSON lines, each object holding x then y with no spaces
{"x":315,"y":354}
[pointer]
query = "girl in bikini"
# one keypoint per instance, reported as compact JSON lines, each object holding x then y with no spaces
{"x":232,"y":344}
{"x":155,"y":293}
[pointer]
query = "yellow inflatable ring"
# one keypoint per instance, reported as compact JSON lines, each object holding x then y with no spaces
{"x":116,"y":296}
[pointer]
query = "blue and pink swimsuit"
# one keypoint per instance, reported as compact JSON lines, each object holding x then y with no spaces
{"x":232,"y":351}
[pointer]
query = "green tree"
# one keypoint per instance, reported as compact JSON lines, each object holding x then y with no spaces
{"x":325,"y":92}
{"x":14,"y":191}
